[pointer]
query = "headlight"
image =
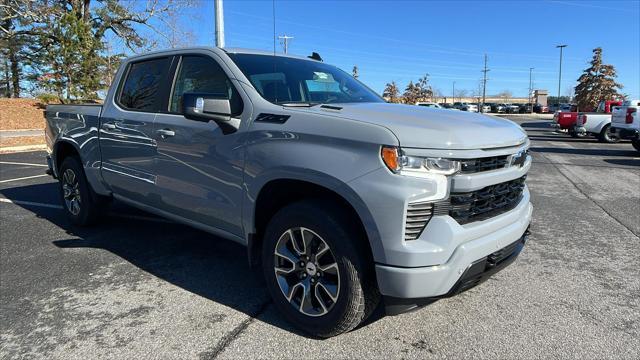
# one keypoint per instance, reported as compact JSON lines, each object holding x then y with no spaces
{"x":400,"y":163}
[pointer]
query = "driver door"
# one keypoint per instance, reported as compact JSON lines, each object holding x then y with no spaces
{"x":199,"y":166}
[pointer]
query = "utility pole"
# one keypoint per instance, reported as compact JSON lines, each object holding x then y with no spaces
{"x":484,"y":82}
{"x":531,"y":88}
{"x":284,"y":40}
{"x":560,"y":72}
{"x":453,"y":93}
{"x":219,"y":23}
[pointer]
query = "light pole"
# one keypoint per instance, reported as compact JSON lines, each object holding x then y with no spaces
{"x":531,"y":88}
{"x":219,"y":12}
{"x":560,"y":72}
{"x":453,"y":93}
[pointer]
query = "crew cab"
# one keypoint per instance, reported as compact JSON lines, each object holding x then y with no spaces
{"x":342,"y":200}
{"x":597,"y":123}
{"x":625,"y":122}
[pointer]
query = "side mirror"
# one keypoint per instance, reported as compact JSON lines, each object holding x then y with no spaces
{"x":205,"y":107}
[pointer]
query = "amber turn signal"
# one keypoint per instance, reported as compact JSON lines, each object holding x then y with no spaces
{"x":391,"y":158}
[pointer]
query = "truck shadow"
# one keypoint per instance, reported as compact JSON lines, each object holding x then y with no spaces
{"x":198,"y":262}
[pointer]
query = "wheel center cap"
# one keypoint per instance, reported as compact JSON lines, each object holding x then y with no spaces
{"x":311,"y":268}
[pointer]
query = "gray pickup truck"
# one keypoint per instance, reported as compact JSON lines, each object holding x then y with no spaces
{"x":342,"y":200}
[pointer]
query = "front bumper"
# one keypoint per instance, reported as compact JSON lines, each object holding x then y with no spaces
{"x":475,"y":274}
{"x":438,"y":280}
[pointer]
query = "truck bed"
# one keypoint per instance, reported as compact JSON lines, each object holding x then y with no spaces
{"x":77,"y":126}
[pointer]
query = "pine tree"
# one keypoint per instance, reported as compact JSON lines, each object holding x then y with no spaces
{"x":411,"y":93}
{"x":596,"y":83}
{"x":391,"y":92}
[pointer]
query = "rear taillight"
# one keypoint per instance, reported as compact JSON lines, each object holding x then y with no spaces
{"x":629,"y":118}
{"x":581,"y":120}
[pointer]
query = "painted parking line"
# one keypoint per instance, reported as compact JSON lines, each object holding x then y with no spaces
{"x":20,"y":163}
{"x":59,"y":207}
{"x":30,"y":203}
{"x":23,"y":178}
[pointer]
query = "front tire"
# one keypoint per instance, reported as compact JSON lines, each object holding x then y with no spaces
{"x":82,"y":206}
{"x":315,"y":269}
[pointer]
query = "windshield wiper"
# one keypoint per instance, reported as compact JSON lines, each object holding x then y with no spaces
{"x":298,"y":104}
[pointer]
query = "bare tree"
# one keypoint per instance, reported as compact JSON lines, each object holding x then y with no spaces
{"x":461,"y":93}
{"x":505,"y":95}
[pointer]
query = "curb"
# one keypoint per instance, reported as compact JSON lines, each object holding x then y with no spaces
{"x":10,"y":130}
{"x":23,"y":148}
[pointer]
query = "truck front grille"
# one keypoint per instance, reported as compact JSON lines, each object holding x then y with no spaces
{"x":485,"y":203}
{"x":469,"y":166}
{"x":465,"y":207}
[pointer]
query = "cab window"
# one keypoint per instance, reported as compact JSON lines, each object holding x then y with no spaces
{"x":202,"y":74}
{"x":141,"y":88}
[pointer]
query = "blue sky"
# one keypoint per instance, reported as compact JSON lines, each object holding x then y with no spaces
{"x":403,"y":40}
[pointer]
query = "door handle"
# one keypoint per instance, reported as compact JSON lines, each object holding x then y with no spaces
{"x":108,"y":126}
{"x":165,"y":133}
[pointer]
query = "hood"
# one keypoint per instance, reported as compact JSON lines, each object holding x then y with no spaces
{"x":422,"y":127}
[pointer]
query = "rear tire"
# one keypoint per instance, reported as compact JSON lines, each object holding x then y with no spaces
{"x":296,"y":274}
{"x":82,"y":206}
{"x":636,"y":144}
{"x":606,"y":137}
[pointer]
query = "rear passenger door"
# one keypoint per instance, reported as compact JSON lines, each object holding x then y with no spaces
{"x":127,"y":141}
{"x":199,"y":165}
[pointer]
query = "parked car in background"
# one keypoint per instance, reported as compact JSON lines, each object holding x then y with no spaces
{"x":470,"y":107}
{"x":561,"y":107}
{"x":597,"y":123}
{"x":525,"y":108}
{"x":447,"y":106}
{"x":486,"y":108}
{"x":540,"y":109}
{"x":567,"y":116}
{"x":625,"y":122}
{"x":343,"y":200}
{"x":429,"y":104}
{"x":512,"y":108}
{"x":497,"y":107}
{"x":458,"y":105}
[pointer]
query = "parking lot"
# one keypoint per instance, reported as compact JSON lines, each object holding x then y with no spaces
{"x":137,"y":286}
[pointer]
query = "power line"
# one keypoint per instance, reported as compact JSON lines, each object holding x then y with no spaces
{"x":484,"y":81}
{"x":284,"y":40}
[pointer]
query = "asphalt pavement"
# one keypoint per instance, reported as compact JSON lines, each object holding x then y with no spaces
{"x":138,"y":286}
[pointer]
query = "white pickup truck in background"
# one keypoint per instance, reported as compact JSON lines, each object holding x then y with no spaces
{"x":597,"y":124}
{"x":625,"y":123}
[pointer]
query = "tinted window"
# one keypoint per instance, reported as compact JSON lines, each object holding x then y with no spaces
{"x":285,"y":80}
{"x":141,"y":88}
{"x":201,"y":74}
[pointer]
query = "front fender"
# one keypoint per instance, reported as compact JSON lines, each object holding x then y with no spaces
{"x":317,"y":178}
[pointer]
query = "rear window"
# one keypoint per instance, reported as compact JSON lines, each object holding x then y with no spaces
{"x":140,"y":90}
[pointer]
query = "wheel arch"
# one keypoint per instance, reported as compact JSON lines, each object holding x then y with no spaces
{"x":277,"y":192}
{"x":63,"y":149}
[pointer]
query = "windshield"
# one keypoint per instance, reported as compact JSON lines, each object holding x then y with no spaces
{"x":284,"y":80}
